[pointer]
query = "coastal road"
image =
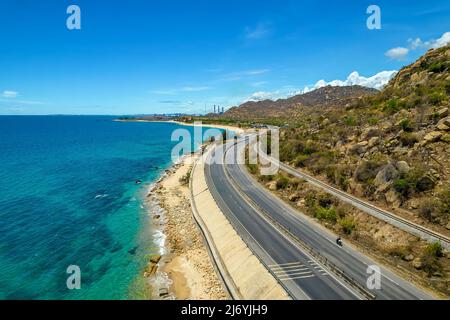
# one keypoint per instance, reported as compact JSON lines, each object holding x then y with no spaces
{"x":393,"y":219}
{"x":302,"y":256}
{"x":299,"y":273}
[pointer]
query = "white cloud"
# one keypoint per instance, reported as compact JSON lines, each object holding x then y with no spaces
{"x":442,"y":41}
{"x":23,"y":102}
{"x":261,"y":31}
{"x":236,"y":76}
{"x":377,"y":81}
{"x":254,"y":72}
{"x":195,"y":89}
{"x":263,"y":95}
{"x":433,"y":43}
{"x":9,"y":94}
{"x":415,"y":43}
{"x":398,"y":53}
{"x":258,"y":83}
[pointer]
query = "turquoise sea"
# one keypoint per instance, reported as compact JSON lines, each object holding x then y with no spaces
{"x":68,"y":196}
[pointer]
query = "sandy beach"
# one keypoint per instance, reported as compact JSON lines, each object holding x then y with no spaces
{"x":186,"y":262}
{"x":184,"y":271}
{"x":218,"y":126}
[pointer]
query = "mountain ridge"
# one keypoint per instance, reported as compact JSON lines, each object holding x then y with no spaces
{"x":284,"y":108}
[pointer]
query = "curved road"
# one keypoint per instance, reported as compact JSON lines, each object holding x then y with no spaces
{"x":393,"y":219}
{"x":301,"y":256}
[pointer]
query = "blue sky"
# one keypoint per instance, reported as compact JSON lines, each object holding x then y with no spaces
{"x":139,"y":56}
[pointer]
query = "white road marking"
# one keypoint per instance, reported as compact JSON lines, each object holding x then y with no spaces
{"x":292,"y":267}
{"x":282,"y":264}
{"x":296,"y":278}
{"x":291,"y":271}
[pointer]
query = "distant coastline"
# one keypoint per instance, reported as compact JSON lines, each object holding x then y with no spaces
{"x":208,"y":125}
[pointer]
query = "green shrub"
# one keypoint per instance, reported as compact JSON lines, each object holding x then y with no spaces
{"x":402,"y":187}
{"x":266,"y":178}
{"x":373,"y":121}
{"x":350,"y":121}
{"x":310,"y":200}
{"x":447,"y":87}
{"x":444,"y":198}
{"x":282,"y":182}
{"x":411,"y":183}
{"x":253,"y":168}
{"x":408,"y":139}
{"x":392,"y":106}
{"x":436,"y":98}
{"x":368,"y":170}
{"x":328,"y":215}
{"x":406,"y":126}
{"x":324,"y":200}
{"x":439,"y":66}
{"x":434,"y":250}
{"x":310,"y":148}
{"x":348,"y":225}
{"x":295,"y":182}
{"x":301,"y":160}
{"x":430,"y":258}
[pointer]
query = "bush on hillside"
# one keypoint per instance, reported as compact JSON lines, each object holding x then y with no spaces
{"x":348,"y":225}
{"x":327,"y":214}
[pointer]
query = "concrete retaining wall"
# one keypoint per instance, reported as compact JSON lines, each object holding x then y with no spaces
{"x":244,"y":276}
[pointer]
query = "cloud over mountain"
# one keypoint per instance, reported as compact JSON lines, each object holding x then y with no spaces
{"x":377,"y":81}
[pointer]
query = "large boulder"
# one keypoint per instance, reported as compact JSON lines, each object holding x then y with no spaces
{"x":443,"y":113}
{"x":373,"y":142}
{"x":393,"y":199}
{"x":402,"y":167}
{"x":417,"y":263}
{"x":388,"y":173}
{"x":444,"y":124}
{"x":370,"y":132}
{"x":272,"y":186}
{"x":432,"y":137}
{"x":359,"y":148}
{"x":409,"y":257}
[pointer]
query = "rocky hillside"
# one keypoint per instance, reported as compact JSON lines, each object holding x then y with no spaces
{"x":392,"y":147}
{"x":287,"y":108}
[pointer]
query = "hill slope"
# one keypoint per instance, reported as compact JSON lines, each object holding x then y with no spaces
{"x":286,"y":108}
{"x":391,"y":147}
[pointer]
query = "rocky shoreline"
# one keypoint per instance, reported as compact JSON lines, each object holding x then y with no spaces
{"x":184,"y":270}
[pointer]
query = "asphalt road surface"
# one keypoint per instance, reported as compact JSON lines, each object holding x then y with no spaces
{"x":262,"y":219}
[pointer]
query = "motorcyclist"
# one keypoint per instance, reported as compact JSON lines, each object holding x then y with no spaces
{"x":339,"y":241}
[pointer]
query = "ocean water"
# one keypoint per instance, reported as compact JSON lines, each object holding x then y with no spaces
{"x":68,"y":196}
